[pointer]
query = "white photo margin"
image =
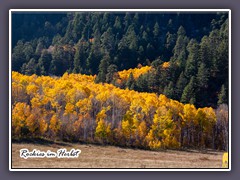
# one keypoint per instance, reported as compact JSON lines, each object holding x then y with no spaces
{"x":115,"y":10}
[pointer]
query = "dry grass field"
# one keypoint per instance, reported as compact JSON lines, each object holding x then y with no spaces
{"x":93,"y":156}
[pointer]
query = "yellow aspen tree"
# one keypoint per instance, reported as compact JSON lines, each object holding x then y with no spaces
{"x":129,"y":126}
{"x":200,"y":121}
{"x":102,"y":113}
{"x":55,"y":125}
{"x":69,"y":108}
{"x":126,"y":129}
{"x":101,"y":128}
{"x":32,"y":124}
{"x":208,"y":129}
{"x":32,"y":90}
{"x":20,"y":113}
{"x":176,"y":108}
{"x":163,"y":130}
{"x":188,"y":118}
{"x":36,"y":102}
{"x":43,"y":126}
{"x":142,"y":133}
{"x":109,"y":134}
{"x":84,"y":105}
{"x":101,"y":131}
{"x":153,"y":142}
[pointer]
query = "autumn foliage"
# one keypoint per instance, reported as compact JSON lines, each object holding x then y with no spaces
{"x":136,"y":72}
{"x":74,"y":108}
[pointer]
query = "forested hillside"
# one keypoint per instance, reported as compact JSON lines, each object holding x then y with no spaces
{"x":143,"y":80}
{"x":74,"y":108}
{"x":185,"y":55}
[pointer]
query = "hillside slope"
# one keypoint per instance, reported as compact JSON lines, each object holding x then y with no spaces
{"x":74,"y":108}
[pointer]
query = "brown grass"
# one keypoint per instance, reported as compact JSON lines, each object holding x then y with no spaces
{"x":93,"y":156}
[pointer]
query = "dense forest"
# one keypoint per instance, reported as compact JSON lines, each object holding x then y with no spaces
{"x":193,"y":46}
{"x":132,"y":79}
{"x":74,"y":108}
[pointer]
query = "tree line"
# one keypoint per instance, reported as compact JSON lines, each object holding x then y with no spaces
{"x":74,"y":108}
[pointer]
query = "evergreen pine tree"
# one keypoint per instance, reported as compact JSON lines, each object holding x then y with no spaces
{"x":111,"y":72}
{"x":169,"y":90}
{"x":179,"y":51}
{"x":222,"y":96}
{"x":191,"y":64}
{"x":130,"y":82}
{"x":180,"y":85}
{"x":188,"y":94}
{"x":102,"y":70}
{"x":44,"y":62}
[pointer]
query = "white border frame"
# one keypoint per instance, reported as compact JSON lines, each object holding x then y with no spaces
{"x":115,"y":10}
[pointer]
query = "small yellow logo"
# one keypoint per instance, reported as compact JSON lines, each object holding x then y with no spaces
{"x":225,"y":160}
